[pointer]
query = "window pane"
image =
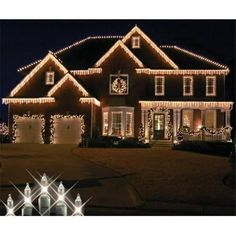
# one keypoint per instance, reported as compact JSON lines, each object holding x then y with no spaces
{"x":187,"y":118}
{"x":105,"y":123}
{"x":116,"y":123}
{"x":210,"y":119}
{"x":159,"y":86}
{"x":128,"y":123}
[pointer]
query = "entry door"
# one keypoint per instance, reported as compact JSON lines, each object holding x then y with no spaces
{"x":159,"y":126}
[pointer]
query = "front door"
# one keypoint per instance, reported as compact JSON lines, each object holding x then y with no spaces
{"x":159,"y":126}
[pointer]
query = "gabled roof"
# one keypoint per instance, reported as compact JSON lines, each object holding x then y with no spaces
{"x":156,"y":49}
{"x":67,"y":77}
{"x":28,"y":77}
{"x":120,"y":44}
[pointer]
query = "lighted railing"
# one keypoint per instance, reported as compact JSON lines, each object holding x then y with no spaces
{"x":205,"y":134}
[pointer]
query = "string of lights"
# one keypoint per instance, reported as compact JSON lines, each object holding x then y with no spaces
{"x":119,"y":43}
{"x":63,"y":80}
{"x":55,"y":118}
{"x":27,"y":100}
{"x":39,"y":117}
{"x":136,"y":29}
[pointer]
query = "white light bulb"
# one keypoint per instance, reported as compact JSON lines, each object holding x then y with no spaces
{"x":10,"y":202}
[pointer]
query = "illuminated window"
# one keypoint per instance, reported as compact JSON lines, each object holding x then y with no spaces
{"x":210,"y":121}
{"x":135,"y":42}
{"x":50,"y":77}
{"x":188,"y":86}
{"x":159,"y":85}
{"x":210,"y":86}
{"x":128,"y":130}
{"x":187,"y":118}
{"x":116,"y":124}
{"x":105,"y":123}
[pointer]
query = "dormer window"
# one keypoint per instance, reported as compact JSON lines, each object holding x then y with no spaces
{"x":49,"y":78}
{"x":135,"y":42}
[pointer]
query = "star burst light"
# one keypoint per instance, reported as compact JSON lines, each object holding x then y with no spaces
{"x":58,"y":195}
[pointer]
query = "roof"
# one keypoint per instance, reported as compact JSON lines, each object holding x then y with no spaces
{"x":186,"y":59}
{"x":86,"y":53}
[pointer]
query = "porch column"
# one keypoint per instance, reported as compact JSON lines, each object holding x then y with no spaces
{"x":203,"y":117}
{"x":176,"y":121}
{"x":227,"y":117}
{"x":146,"y":128}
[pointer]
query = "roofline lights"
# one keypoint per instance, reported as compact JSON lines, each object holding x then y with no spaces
{"x":181,"y":72}
{"x":90,"y":100}
{"x":63,"y":80}
{"x":186,"y":104}
{"x":151,"y":43}
{"x":119,"y":43}
{"x":27,"y":100}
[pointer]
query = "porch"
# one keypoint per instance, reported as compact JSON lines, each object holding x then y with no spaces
{"x":186,"y":120}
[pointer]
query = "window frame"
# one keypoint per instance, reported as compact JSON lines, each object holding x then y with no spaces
{"x":214,"y":121}
{"x":214,"y":86}
{"x":162,"y":93}
{"x":184,"y":86}
{"x":47,"y":79}
{"x":134,"y":40}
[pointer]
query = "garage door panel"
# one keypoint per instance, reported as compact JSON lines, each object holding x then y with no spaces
{"x":28,"y":130}
{"x":67,"y":131}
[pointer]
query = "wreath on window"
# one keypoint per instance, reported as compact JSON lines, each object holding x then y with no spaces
{"x":119,"y":85}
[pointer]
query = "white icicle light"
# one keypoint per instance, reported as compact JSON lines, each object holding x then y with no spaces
{"x":90,"y":101}
{"x":149,"y":71}
{"x":186,"y":104}
{"x":28,"y":100}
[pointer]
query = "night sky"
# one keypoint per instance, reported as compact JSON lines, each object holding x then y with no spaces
{"x":23,"y":42}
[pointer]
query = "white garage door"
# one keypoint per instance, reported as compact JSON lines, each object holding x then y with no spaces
{"x":67,"y":130}
{"x":28,"y":130}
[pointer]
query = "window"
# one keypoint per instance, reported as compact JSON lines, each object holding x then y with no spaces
{"x":49,"y":77}
{"x":135,"y":42}
{"x":188,"y":86}
{"x":187,"y":118}
{"x":105,"y":123}
{"x":116,"y":123}
{"x":128,"y":130}
{"x":210,"y":119}
{"x":210,"y":86}
{"x":159,"y":85}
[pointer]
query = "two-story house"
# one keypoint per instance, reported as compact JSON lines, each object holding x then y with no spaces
{"x":119,"y":86}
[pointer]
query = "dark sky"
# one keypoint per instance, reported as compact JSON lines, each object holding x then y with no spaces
{"x":22,"y":42}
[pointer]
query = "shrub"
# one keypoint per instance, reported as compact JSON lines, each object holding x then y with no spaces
{"x":132,"y":143}
{"x":102,"y":141}
{"x":5,"y":138}
{"x":213,"y":148}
